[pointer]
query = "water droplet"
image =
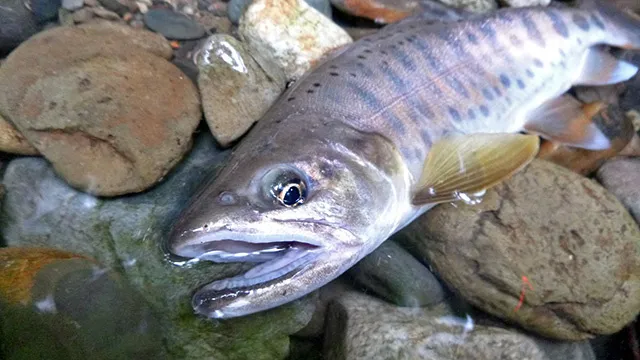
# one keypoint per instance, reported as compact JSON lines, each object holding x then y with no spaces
{"x":470,"y":199}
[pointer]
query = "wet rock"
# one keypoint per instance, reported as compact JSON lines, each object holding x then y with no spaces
{"x":325,"y":295}
{"x":113,"y":117}
{"x":621,"y":176}
{"x":361,"y":327}
{"x":120,"y":7}
{"x":82,"y":16}
{"x":106,"y":14}
{"x":476,"y":6}
{"x":127,"y":234}
{"x":575,"y":243}
{"x":44,"y":10}
{"x":381,"y":11}
{"x":17,"y":24}
{"x":235,"y":89}
{"x":59,"y":305}
{"x":525,"y":3}
{"x":295,"y":34}
{"x":615,"y":125}
{"x":72,"y":4}
{"x":12,"y":141}
{"x":396,"y":276}
{"x":215,"y":24}
{"x":237,"y":8}
{"x":173,"y":25}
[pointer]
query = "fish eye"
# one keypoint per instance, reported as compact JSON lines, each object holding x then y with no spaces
{"x":289,"y":189}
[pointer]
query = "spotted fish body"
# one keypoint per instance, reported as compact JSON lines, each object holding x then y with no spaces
{"x":415,"y":83}
{"x":338,"y":164}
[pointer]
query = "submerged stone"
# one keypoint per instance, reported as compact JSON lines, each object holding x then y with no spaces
{"x":128,"y":234}
{"x":173,"y":25}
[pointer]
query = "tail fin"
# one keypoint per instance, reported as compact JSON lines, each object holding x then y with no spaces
{"x":618,"y":18}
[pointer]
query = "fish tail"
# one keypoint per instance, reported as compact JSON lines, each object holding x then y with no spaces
{"x":623,"y":23}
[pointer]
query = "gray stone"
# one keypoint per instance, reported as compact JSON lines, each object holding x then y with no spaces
{"x":621,"y":176}
{"x":17,"y":24}
{"x":573,"y":241}
{"x":173,"y":25}
{"x":72,"y":4}
{"x":362,"y":327}
{"x":237,"y":7}
{"x":45,"y":10}
{"x":396,"y":276}
{"x":120,"y":7}
{"x":127,"y":234}
{"x":236,"y":89}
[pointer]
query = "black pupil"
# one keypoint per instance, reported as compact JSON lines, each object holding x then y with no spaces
{"x":292,"y":196}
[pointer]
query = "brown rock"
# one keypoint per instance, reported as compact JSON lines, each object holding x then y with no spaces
{"x":381,"y":11}
{"x":12,"y":141}
{"x":111,"y":117}
{"x":617,"y":127}
{"x":621,"y":176}
{"x":236,"y":90}
{"x":574,"y":241}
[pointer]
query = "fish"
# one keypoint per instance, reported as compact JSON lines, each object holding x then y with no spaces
{"x":418,"y":114}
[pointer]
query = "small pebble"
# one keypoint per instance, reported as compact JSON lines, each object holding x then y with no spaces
{"x":173,"y":25}
{"x":119,"y":6}
{"x":72,"y":4}
{"x":82,"y":15}
{"x":106,"y":14}
{"x":525,"y":3}
{"x":91,"y":3}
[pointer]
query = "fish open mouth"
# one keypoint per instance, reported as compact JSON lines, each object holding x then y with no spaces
{"x":275,"y":259}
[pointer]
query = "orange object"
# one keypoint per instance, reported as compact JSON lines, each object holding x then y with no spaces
{"x":174,"y":44}
{"x":525,"y":283}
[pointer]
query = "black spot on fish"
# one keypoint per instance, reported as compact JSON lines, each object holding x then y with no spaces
{"x":427,"y":54}
{"x":352,"y":74}
{"x":455,"y":115}
{"x":383,"y":52}
{"x":421,"y":108}
{"x":558,"y":24}
{"x":316,"y":84}
{"x":537,"y":63}
{"x":367,"y":51}
{"x":487,"y":94}
{"x":406,"y":152}
{"x":405,"y":61}
{"x":333,"y":74}
{"x":400,"y":42}
{"x":520,"y":84}
{"x":368,"y":97}
{"x":532,"y":29}
{"x":472,"y":114}
{"x":580,"y":21}
{"x":597,"y":22}
{"x":332,"y":67}
{"x":457,"y":86}
{"x":490,"y":34}
{"x":310,"y":91}
{"x":484,"y":110}
{"x":530,"y":73}
{"x":504,"y":79}
{"x":362,"y":57}
{"x":291,"y":98}
{"x":472,"y":38}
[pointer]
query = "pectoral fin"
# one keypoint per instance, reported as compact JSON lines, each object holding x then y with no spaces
{"x":568,"y":121}
{"x":602,"y":68}
{"x":469,"y":164}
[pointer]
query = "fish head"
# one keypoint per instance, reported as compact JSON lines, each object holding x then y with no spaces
{"x":304,"y":205}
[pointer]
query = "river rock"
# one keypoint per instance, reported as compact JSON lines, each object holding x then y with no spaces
{"x":396,"y":276}
{"x":113,"y":117}
{"x":11,"y":141}
{"x":127,"y":234}
{"x":361,"y":327}
{"x":525,"y":3}
{"x":476,"y":6}
{"x":294,"y":33}
{"x":44,"y":10}
{"x":560,"y":238}
{"x":381,"y":11}
{"x":615,"y":125}
{"x":236,"y":90}
{"x":72,"y":4}
{"x":237,"y":8}
{"x":173,"y":25}
{"x":17,"y":24}
{"x":59,"y":305}
{"x":621,"y":176}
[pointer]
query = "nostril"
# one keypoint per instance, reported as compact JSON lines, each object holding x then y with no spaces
{"x":226,"y":198}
